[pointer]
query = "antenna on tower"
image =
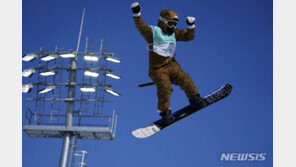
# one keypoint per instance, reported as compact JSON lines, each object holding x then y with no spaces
{"x":80,"y":31}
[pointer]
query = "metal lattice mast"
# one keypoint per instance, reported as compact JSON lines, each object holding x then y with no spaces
{"x":70,"y":102}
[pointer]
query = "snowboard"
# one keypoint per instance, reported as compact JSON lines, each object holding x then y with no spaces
{"x":159,"y":125}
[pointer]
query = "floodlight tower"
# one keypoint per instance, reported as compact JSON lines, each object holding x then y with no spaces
{"x":66,"y":121}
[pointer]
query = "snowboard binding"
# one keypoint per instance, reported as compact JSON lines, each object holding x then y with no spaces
{"x":197,"y":101}
{"x":166,"y":117}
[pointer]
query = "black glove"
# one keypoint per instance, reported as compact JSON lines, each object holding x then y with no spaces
{"x":190,"y":22}
{"x":136,"y":8}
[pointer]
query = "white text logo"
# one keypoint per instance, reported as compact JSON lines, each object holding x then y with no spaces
{"x":243,"y":157}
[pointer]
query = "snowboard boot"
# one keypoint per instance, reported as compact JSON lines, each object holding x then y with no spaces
{"x":197,"y":101}
{"x":166,"y":116}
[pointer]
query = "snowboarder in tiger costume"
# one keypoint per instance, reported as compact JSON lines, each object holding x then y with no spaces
{"x":164,"y":70}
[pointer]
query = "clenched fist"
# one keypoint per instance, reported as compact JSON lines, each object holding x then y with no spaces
{"x":136,"y":8}
{"x":190,"y":22}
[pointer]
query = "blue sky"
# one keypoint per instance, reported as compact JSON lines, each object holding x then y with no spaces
{"x":233,"y":44}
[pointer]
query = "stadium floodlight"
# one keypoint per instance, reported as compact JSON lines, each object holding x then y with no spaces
{"x":111,"y":91}
{"x":91,"y":58}
{"x":47,"y":89}
{"x":28,"y":72}
{"x":88,"y":89}
{"x":91,"y":74}
{"x":112,"y":75}
{"x":29,"y":57}
{"x":49,"y":57}
{"x":27,"y":88}
{"x":47,"y":73}
{"x":68,"y":55}
{"x":113,"y":59}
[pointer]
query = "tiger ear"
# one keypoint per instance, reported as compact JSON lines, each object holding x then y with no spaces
{"x":172,"y":15}
{"x":167,"y":14}
{"x":164,"y":13}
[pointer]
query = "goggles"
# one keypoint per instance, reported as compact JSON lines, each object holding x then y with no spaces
{"x":169,"y":23}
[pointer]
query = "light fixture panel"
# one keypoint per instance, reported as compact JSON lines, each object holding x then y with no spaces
{"x":28,"y":72}
{"x":88,"y":89}
{"x":90,"y":58}
{"x":68,"y":55}
{"x":47,"y":73}
{"x":112,"y":75}
{"x":27,"y":88}
{"x":49,"y":57}
{"x":29,"y":57}
{"x":111,"y":91}
{"x":91,"y":74}
{"x":113,"y":59}
{"x":47,"y":89}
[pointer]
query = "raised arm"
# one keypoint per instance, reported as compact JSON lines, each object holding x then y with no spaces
{"x":144,"y":29}
{"x":186,"y":35}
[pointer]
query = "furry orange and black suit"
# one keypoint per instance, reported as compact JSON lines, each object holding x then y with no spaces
{"x":164,"y":70}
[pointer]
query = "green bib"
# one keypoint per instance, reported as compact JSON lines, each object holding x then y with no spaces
{"x":164,"y":45}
